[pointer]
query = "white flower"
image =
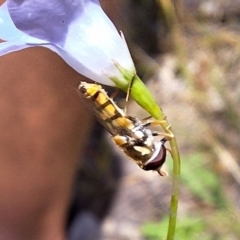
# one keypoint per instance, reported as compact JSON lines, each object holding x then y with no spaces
{"x":77,"y":30}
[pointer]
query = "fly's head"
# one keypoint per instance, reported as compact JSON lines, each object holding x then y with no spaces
{"x":158,"y":158}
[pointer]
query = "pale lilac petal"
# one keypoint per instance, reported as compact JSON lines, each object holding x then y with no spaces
{"x":79,"y":66}
{"x":8,"y":30}
{"x":44,"y":19}
{"x":94,"y":40}
{"x":77,"y":30}
{"x":8,"y":47}
{"x":16,"y":39}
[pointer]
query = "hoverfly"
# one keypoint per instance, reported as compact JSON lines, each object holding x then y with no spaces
{"x":129,"y":133}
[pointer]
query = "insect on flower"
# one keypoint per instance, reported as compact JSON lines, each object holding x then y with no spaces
{"x":129,"y":133}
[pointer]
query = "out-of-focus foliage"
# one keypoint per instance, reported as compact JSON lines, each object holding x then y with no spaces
{"x":202,"y":181}
{"x":194,"y":227}
{"x":193,"y":69}
{"x":189,"y":228}
{"x":198,"y":80}
{"x":214,"y":216}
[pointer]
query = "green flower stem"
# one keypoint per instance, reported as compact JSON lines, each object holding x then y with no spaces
{"x":175,"y":181}
{"x":141,"y":94}
{"x":175,"y":189}
{"x":168,"y":9}
{"x":144,"y":98}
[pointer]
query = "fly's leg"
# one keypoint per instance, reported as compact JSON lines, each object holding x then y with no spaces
{"x":168,"y":134}
{"x":146,"y":119}
{"x":114,"y":94}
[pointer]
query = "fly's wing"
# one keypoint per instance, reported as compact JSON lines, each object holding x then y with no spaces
{"x":111,"y":116}
{"x":106,"y":124}
{"x":104,"y":109}
{"x":115,"y":121}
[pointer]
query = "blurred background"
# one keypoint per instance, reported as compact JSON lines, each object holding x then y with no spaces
{"x":188,"y":54}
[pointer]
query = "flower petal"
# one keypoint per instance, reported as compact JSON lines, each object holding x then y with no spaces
{"x":81,"y":33}
{"x":44,"y":19}
{"x":8,"y":47}
{"x":8,"y":30}
{"x":94,"y":39}
{"x":82,"y":29}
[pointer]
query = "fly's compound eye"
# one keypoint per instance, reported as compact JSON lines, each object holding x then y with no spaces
{"x":158,"y":159}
